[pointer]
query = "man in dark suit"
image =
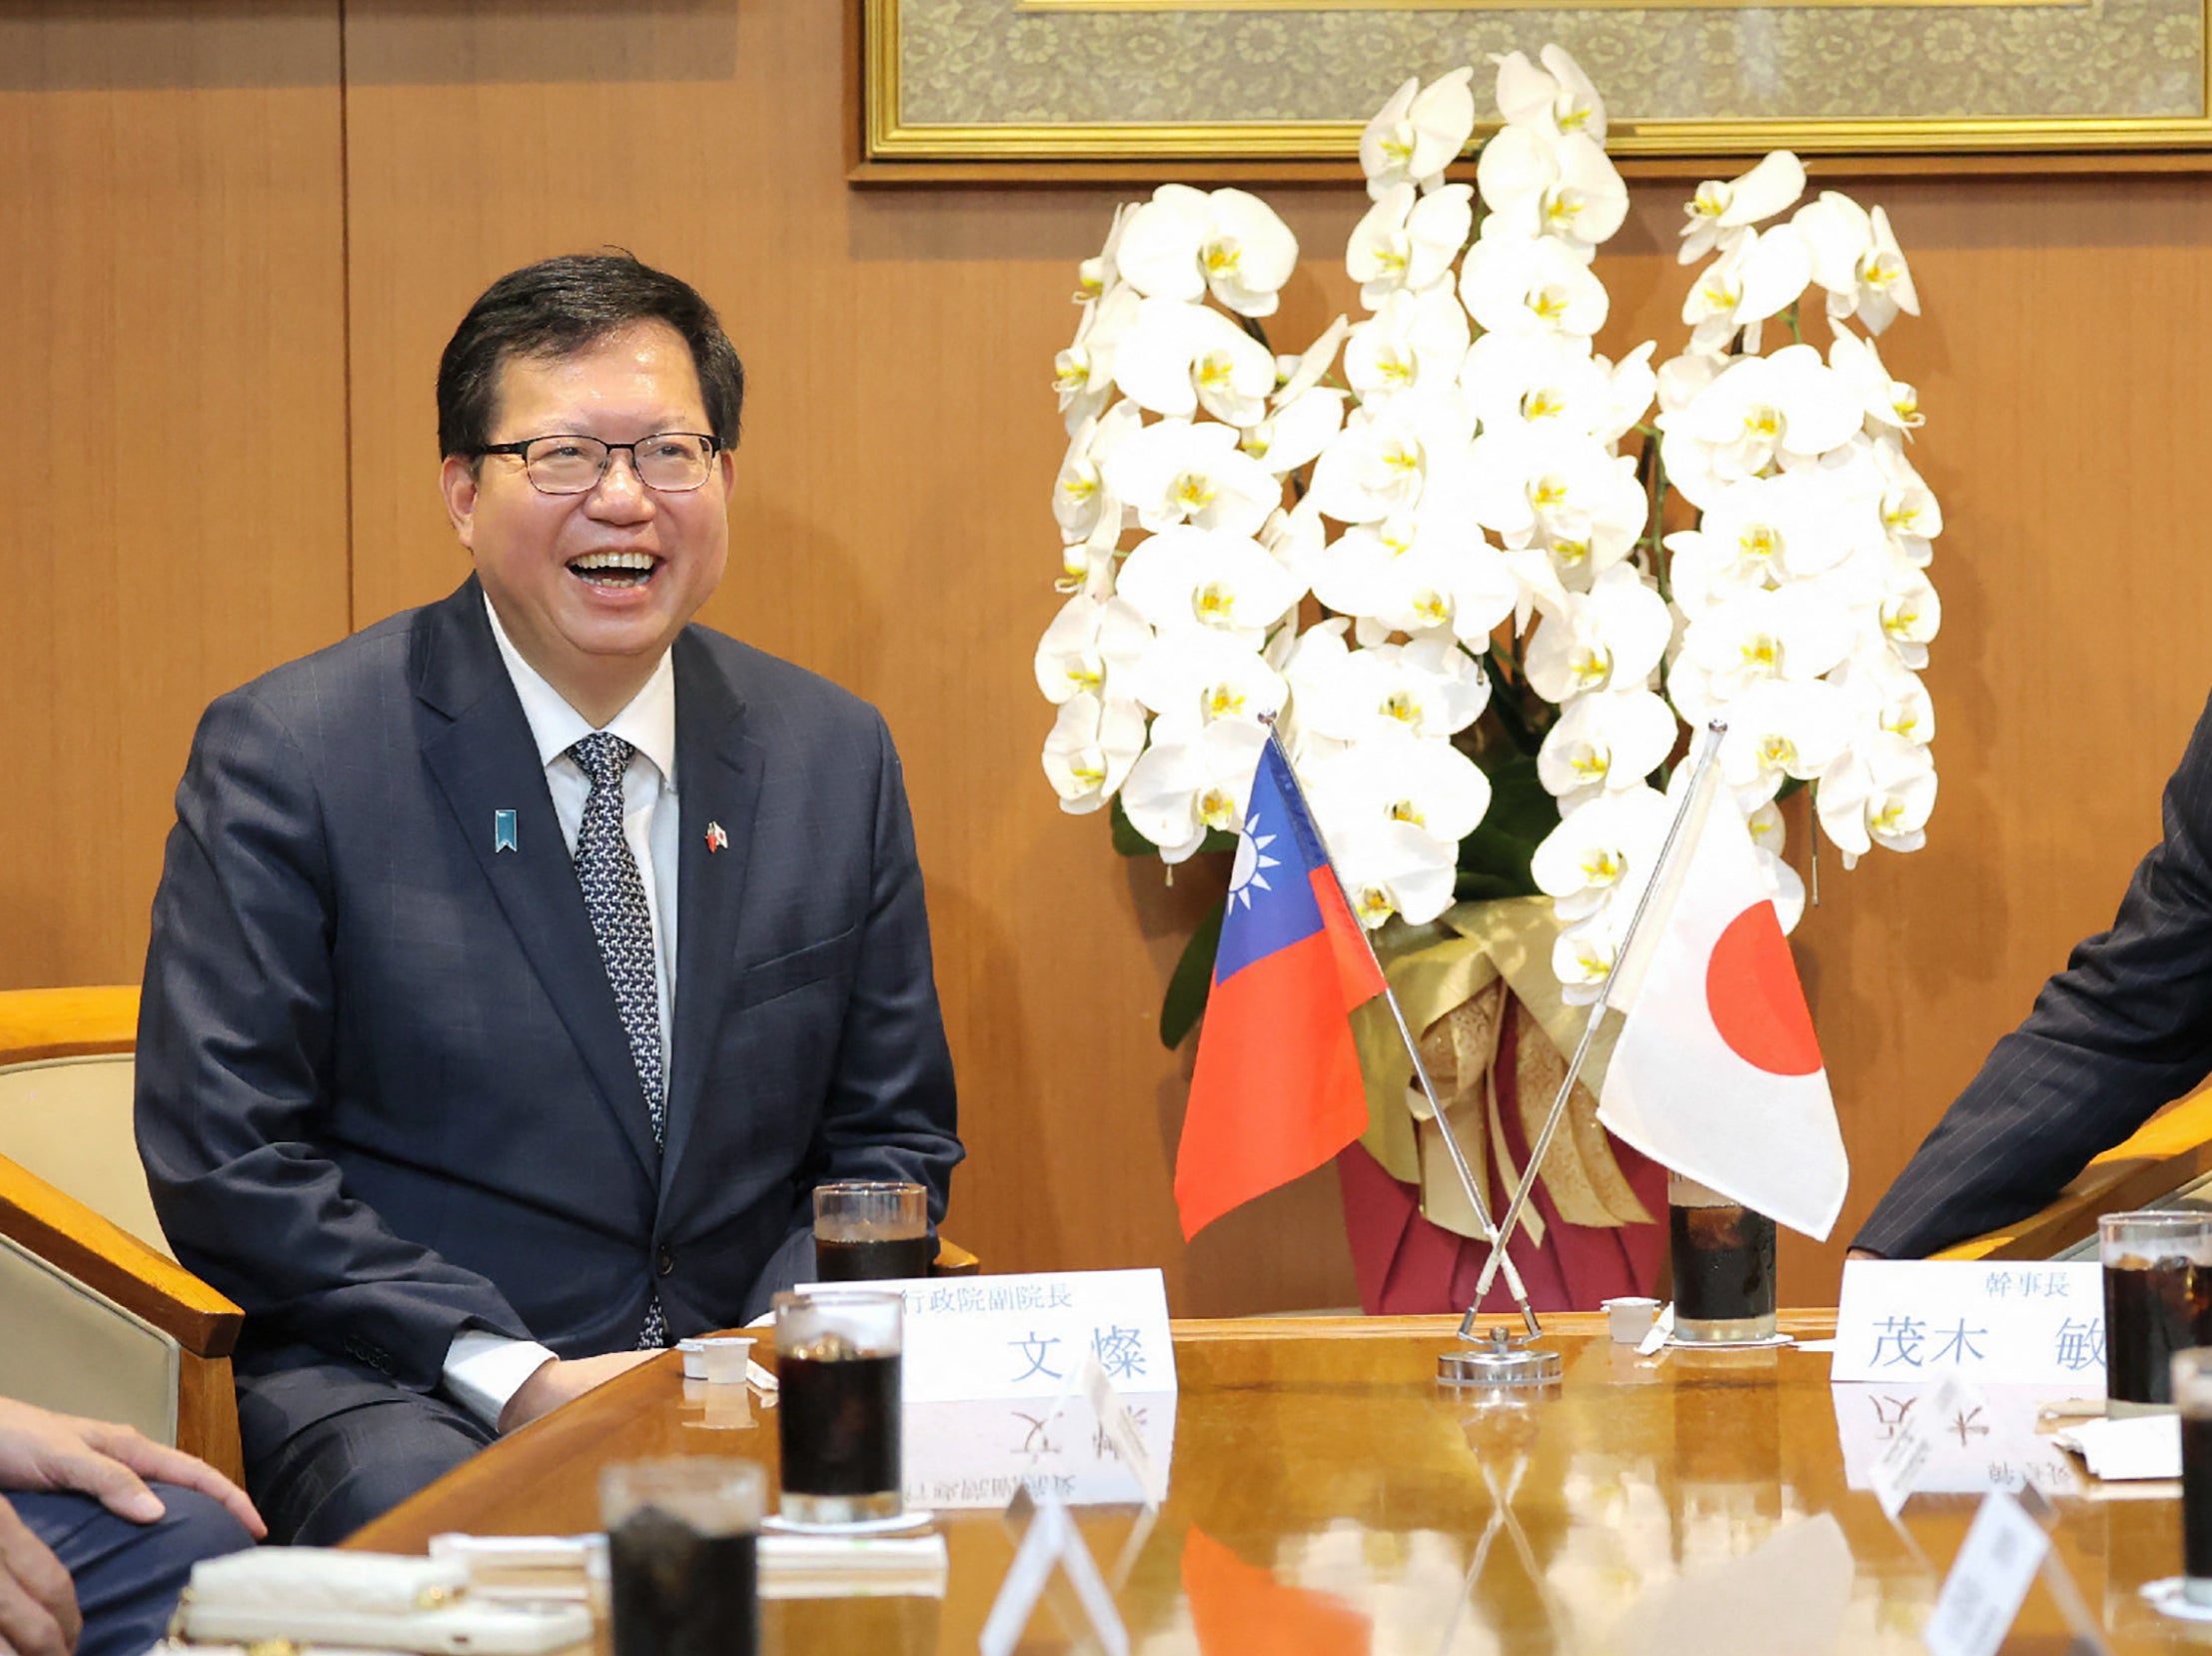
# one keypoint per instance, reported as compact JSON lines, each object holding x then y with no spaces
{"x":522,"y":963}
{"x":2123,"y":1030}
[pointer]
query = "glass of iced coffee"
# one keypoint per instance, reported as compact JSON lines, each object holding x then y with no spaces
{"x":837,"y":1356}
{"x":1723,"y":1255}
{"x":680,"y":1545}
{"x":2157,"y":1300}
{"x":870,"y":1232}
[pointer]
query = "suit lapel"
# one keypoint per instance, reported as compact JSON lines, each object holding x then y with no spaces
{"x":486,"y":761}
{"x":718,"y":779}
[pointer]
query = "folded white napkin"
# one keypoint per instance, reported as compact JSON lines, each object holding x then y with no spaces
{"x":2142,"y":1446}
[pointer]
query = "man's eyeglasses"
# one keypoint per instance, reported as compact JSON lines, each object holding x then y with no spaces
{"x":672,"y":463}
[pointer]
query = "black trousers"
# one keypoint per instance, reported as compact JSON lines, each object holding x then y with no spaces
{"x":317,"y":1484}
{"x":127,"y":1575}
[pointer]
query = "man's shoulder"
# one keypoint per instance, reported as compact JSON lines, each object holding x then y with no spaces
{"x":338,"y":678}
{"x":775,"y":692}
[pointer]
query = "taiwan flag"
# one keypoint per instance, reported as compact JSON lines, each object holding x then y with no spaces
{"x":1277,"y":1090}
{"x":1716,"y":1073}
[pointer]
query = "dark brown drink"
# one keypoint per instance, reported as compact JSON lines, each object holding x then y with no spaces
{"x":838,"y":1422}
{"x":677,"y":1592}
{"x":2196,"y":1498}
{"x":2152,"y":1309}
{"x":874,"y":1259}
{"x":1723,"y":1264}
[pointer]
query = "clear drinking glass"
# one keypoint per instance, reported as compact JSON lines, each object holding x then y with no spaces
{"x":837,"y":1404}
{"x":2192,"y":1392}
{"x":680,"y":1551}
{"x":1723,"y":1256}
{"x":869,"y":1232}
{"x":2157,"y":1300}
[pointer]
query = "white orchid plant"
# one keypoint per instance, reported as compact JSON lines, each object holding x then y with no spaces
{"x":1480,"y":585}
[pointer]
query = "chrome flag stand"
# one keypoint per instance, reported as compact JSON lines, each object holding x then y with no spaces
{"x":1708,"y":752}
{"x":1490,"y":1233}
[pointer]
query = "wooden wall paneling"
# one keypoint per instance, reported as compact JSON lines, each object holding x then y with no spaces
{"x":173,"y":427}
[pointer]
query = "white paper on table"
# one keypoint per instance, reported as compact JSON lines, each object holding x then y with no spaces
{"x":2141,"y":1446}
{"x":1785,"y":1598}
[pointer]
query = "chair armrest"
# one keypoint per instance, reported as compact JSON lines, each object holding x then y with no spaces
{"x":954,"y":1260}
{"x":71,"y":1238}
{"x":2159,"y":1157}
{"x":67,"y":1024}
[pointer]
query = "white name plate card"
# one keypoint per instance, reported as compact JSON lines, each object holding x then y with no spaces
{"x":1995,"y":1325}
{"x":1026,"y":1336}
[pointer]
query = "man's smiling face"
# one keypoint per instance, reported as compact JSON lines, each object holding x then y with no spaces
{"x":592,"y":588}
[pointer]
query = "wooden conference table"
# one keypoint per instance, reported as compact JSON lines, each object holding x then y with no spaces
{"x":1328,"y":1496}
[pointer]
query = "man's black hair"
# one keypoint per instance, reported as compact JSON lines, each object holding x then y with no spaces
{"x":559,"y":307}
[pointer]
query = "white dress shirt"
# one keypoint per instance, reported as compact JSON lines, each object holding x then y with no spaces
{"x":483,"y":1371}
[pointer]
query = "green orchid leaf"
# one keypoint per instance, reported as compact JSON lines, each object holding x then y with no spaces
{"x":1186,"y":995}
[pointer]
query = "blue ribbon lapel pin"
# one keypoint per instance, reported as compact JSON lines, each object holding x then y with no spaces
{"x":502,"y":831}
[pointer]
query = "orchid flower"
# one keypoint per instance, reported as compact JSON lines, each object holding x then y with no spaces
{"x":1417,"y":572}
{"x":1562,"y":189}
{"x":1092,"y":647}
{"x":1205,"y":674}
{"x":1789,"y":632}
{"x":1881,"y":792}
{"x":1602,"y":848}
{"x":1778,"y":732}
{"x":1719,"y":208}
{"x":1519,"y":284}
{"x":1188,"y":577}
{"x":1413,"y":339}
{"x":1297,"y":431}
{"x":1759,"y":412}
{"x":1177,"y":356}
{"x":1191,"y":778}
{"x":1091,"y":749}
{"x":1428,"y":688}
{"x":1083,"y":374}
{"x":1604,"y":742}
{"x":1407,"y":242}
{"x":1418,"y":133}
{"x":1558,"y":97}
{"x":1855,"y":257}
{"x":1386,"y":455}
{"x":1175,"y":472}
{"x":1087,"y":510}
{"x":1185,"y":242}
{"x":1609,"y":637}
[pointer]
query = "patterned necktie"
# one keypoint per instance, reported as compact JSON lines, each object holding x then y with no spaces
{"x":622,"y":922}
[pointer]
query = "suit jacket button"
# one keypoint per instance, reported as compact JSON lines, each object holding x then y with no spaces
{"x":665,"y":1263}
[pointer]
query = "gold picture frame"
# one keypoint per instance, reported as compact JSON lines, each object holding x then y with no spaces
{"x":1054,"y":88}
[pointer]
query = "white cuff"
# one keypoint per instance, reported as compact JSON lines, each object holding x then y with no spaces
{"x":483,"y":1370}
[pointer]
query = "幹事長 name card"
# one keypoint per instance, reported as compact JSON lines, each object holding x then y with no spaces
{"x":2038,"y":1324}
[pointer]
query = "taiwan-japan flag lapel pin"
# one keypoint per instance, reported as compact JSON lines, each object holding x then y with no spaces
{"x":717,"y":839}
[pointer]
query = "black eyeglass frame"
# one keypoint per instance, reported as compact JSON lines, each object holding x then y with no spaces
{"x":521,"y":451}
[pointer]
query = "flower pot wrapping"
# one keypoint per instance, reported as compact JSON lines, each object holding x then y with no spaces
{"x":1494,"y":1031}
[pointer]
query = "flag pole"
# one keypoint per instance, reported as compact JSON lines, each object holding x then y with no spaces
{"x":1708,"y":752}
{"x":1466,"y":1174}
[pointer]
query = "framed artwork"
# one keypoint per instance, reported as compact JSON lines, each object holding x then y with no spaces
{"x":1037,"y":84}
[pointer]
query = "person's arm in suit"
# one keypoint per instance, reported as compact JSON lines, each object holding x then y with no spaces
{"x":235,"y":1065}
{"x":2123,"y":1030}
{"x":891,"y":1112}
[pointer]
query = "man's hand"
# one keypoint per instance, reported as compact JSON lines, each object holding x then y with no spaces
{"x":38,"y":1608}
{"x":42,"y":1451}
{"x":564,"y":1381}
{"x":1862,"y":1253}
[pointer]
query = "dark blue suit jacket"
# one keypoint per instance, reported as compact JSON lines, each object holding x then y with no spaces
{"x":384,"y":1094}
{"x":2124,"y":1029}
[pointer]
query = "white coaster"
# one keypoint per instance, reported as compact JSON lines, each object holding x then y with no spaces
{"x":1770,"y":1343}
{"x":898,"y":1524}
{"x":2166,"y":1598}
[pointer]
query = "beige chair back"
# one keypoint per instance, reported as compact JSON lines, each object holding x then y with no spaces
{"x":85,"y":1354}
{"x":68,"y":1121}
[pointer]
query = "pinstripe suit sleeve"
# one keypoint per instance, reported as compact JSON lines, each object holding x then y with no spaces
{"x":2124,"y":1029}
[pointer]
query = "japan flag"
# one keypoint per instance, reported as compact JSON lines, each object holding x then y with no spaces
{"x":1716,"y":1072}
